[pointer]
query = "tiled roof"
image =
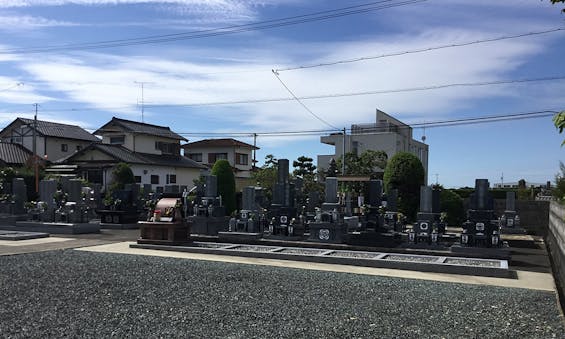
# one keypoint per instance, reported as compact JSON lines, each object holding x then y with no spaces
{"x":227,"y":142}
{"x":13,"y":154}
{"x":53,"y":129}
{"x":138,"y":127}
{"x":123,"y":154}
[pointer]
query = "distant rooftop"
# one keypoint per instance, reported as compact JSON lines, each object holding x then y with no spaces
{"x":54,"y":129}
{"x":138,"y":127}
{"x":226,"y":142}
{"x":13,"y":154}
{"x":123,"y":154}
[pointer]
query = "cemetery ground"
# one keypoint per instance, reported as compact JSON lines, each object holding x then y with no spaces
{"x":94,"y":285}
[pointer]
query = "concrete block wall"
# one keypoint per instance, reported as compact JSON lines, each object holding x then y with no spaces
{"x":555,"y":241}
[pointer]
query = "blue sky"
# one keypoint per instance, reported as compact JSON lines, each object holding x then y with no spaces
{"x":89,"y":87}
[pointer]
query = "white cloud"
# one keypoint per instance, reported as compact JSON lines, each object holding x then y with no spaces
{"x":25,"y":22}
{"x":108,"y":82}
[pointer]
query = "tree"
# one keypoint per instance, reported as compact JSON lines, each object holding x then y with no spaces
{"x":522,"y":184}
{"x":121,"y":175}
{"x":559,"y":122}
{"x":405,"y":173}
{"x":266,"y":176}
{"x":226,"y":184}
{"x":332,"y":170}
{"x":556,"y":1}
{"x":303,"y":167}
{"x":452,"y":204}
{"x":559,"y":190}
{"x":305,"y":170}
{"x":367,"y":163}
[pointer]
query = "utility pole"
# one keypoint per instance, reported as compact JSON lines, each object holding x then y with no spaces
{"x":343,"y":162}
{"x":254,"y":150}
{"x":35,"y":160}
{"x":437,"y":181}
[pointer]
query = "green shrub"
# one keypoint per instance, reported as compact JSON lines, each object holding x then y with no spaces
{"x":226,"y":184}
{"x":452,"y":204}
{"x":404,"y":171}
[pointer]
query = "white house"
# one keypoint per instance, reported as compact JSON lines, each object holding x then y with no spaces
{"x":53,"y":140}
{"x":239,"y":154}
{"x":153,"y":153}
{"x":386,"y":134}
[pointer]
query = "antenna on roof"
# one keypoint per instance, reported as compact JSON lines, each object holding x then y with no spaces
{"x":142,"y":83}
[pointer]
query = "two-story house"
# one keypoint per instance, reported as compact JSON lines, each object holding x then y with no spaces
{"x":153,"y":153}
{"x":239,"y":154}
{"x":53,"y":140}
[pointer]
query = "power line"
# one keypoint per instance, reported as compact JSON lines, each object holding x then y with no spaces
{"x":13,"y":86}
{"x":301,"y":103}
{"x":421,"y":50}
{"x":261,"y":25}
{"x":324,"y":96}
{"x":387,"y":91}
{"x":375,"y":128}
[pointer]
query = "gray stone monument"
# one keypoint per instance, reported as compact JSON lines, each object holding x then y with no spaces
{"x":75,"y":190}
{"x":375,"y":192}
{"x":19,"y":191}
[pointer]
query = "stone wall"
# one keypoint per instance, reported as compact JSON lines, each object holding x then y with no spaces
{"x":555,"y":241}
{"x":534,"y":215}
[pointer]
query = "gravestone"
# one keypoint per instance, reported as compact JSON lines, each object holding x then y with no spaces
{"x":331,"y":190}
{"x":510,"y":220}
{"x":19,"y":190}
{"x":425,"y":230}
{"x":47,"y":189}
{"x":211,"y":186}
{"x":375,"y":192}
{"x":74,"y":187}
{"x":248,"y":198}
{"x":392,"y":200}
{"x":481,"y":228}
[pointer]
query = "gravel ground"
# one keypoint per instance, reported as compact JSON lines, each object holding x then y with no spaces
{"x":354,"y":255}
{"x":411,"y":258}
{"x":69,"y":293}
{"x":471,"y":262}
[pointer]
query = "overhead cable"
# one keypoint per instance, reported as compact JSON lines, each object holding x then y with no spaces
{"x":419,"y":50}
{"x":261,"y":25}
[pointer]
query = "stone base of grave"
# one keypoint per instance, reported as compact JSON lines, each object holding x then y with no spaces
{"x":163,"y":233}
{"x":56,"y":227}
{"x":513,"y":230}
{"x":16,"y":235}
{"x":502,"y":252}
{"x":119,"y":226}
{"x":284,"y":237}
{"x":11,"y":219}
{"x":238,"y":236}
{"x":207,"y":225}
{"x":372,"y":239}
{"x":328,"y":232}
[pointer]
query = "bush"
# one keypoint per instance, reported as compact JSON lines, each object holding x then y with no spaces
{"x":226,"y":184}
{"x":405,"y":173}
{"x":122,"y":175}
{"x":452,"y":204}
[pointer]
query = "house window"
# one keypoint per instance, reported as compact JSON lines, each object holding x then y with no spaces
{"x":167,"y":147}
{"x":171,"y":179}
{"x":137,"y":179}
{"x":195,"y":156}
{"x":242,"y":159}
{"x":154,"y":179}
{"x":64,"y":148}
{"x":118,"y":140}
{"x":213,"y":157}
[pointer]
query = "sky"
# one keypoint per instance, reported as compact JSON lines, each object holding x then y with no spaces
{"x":205,"y":69}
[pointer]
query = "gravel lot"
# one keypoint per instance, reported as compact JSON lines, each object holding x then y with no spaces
{"x":67,"y":293}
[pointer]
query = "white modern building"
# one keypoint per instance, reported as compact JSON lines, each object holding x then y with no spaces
{"x":385,"y":134}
